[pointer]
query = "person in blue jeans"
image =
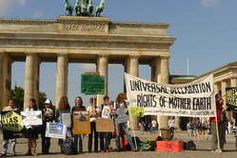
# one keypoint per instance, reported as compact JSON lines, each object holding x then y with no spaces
{"x":121,"y":118}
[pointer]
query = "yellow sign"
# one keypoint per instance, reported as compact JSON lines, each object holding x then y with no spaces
{"x":11,"y":121}
{"x":81,"y":123}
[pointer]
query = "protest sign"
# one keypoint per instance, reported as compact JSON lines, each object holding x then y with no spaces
{"x":104,"y":125}
{"x":136,"y":111}
{"x":11,"y":121}
{"x":231,"y":98}
{"x":32,"y":118}
{"x":92,"y":84}
{"x":66,"y":119}
{"x":195,"y":99}
{"x":55,"y":130}
{"x":81,"y":123}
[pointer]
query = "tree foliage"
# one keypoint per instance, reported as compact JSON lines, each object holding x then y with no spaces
{"x":17,"y":93}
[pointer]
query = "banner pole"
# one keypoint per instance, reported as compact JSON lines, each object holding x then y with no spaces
{"x":218,"y":136}
{"x":134,"y":134}
{"x":133,"y":131}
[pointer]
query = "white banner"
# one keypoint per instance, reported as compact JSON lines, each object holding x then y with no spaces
{"x":55,"y":130}
{"x":66,"y":119}
{"x":195,"y":99}
{"x":32,"y":118}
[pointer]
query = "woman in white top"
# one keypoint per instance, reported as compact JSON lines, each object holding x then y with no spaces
{"x":93,"y":113}
{"x":105,"y":113}
{"x":32,"y":134}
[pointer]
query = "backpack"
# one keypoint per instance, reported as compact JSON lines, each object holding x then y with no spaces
{"x":147,"y":146}
{"x":68,"y":147}
{"x":190,"y":145}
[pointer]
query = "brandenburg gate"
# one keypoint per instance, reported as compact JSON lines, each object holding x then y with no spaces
{"x":74,"y":39}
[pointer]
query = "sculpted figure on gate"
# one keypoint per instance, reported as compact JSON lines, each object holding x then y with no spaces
{"x":84,"y":8}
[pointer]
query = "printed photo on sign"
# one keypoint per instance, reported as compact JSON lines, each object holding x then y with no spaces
{"x":106,"y":112}
{"x":81,"y":115}
{"x":55,"y":130}
{"x":32,"y":118}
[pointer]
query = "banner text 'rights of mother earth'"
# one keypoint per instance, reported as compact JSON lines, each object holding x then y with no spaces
{"x":195,"y":99}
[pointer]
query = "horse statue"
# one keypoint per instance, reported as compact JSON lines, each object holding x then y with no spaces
{"x":81,"y":7}
{"x":90,"y":8}
{"x":68,"y":7}
{"x":100,"y":8}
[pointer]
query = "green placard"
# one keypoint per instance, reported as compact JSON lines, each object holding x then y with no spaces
{"x":92,"y":84}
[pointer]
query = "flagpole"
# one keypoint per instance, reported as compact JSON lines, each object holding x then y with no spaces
{"x":134,"y":134}
{"x":217,"y":131}
{"x":133,"y":131}
{"x":218,"y":136}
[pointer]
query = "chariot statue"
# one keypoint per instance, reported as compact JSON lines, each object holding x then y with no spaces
{"x":84,"y":8}
{"x":68,"y":7}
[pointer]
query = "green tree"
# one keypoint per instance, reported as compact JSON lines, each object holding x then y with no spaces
{"x":17,"y":93}
{"x":42,"y":98}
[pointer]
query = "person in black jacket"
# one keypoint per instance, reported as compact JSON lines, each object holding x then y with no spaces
{"x":48,"y":116}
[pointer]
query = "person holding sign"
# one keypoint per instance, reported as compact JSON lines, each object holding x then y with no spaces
{"x":217,"y":121}
{"x":8,"y":137}
{"x":78,"y":107}
{"x":121,"y":118}
{"x":105,"y":112}
{"x":63,"y":108}
{"x":93,"y":111}
{"x":48,"y":116}
{"x":32,"y":134}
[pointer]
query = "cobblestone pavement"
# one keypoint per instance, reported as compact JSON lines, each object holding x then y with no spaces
{"x":203,"y":149}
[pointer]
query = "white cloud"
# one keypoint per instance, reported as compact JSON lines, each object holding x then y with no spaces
{"x":210,"y":3}
{"x":38,"y":14}
{"x":8,"y":5}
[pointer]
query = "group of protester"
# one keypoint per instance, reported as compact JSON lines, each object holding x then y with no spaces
{"x":118,"y":112}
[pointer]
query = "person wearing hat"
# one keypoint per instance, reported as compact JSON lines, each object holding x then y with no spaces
{"x":48,"y":115}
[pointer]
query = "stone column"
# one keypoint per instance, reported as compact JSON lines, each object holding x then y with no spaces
{"x":177,"y":122}
{"x":5,"y":79}
{"x":233,"y":82}
{"x":61,"y":77}
{"x":102,"y":69}
{"x":31,"y":84}
{"x":132,"y":68}
{"x":216,"y":89}
{"x":160,"y":74}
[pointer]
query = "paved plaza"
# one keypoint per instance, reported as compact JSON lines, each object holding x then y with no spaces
{"x":203,"y":149}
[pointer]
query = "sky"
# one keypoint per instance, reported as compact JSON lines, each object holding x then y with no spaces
{"x":205,"y":32}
